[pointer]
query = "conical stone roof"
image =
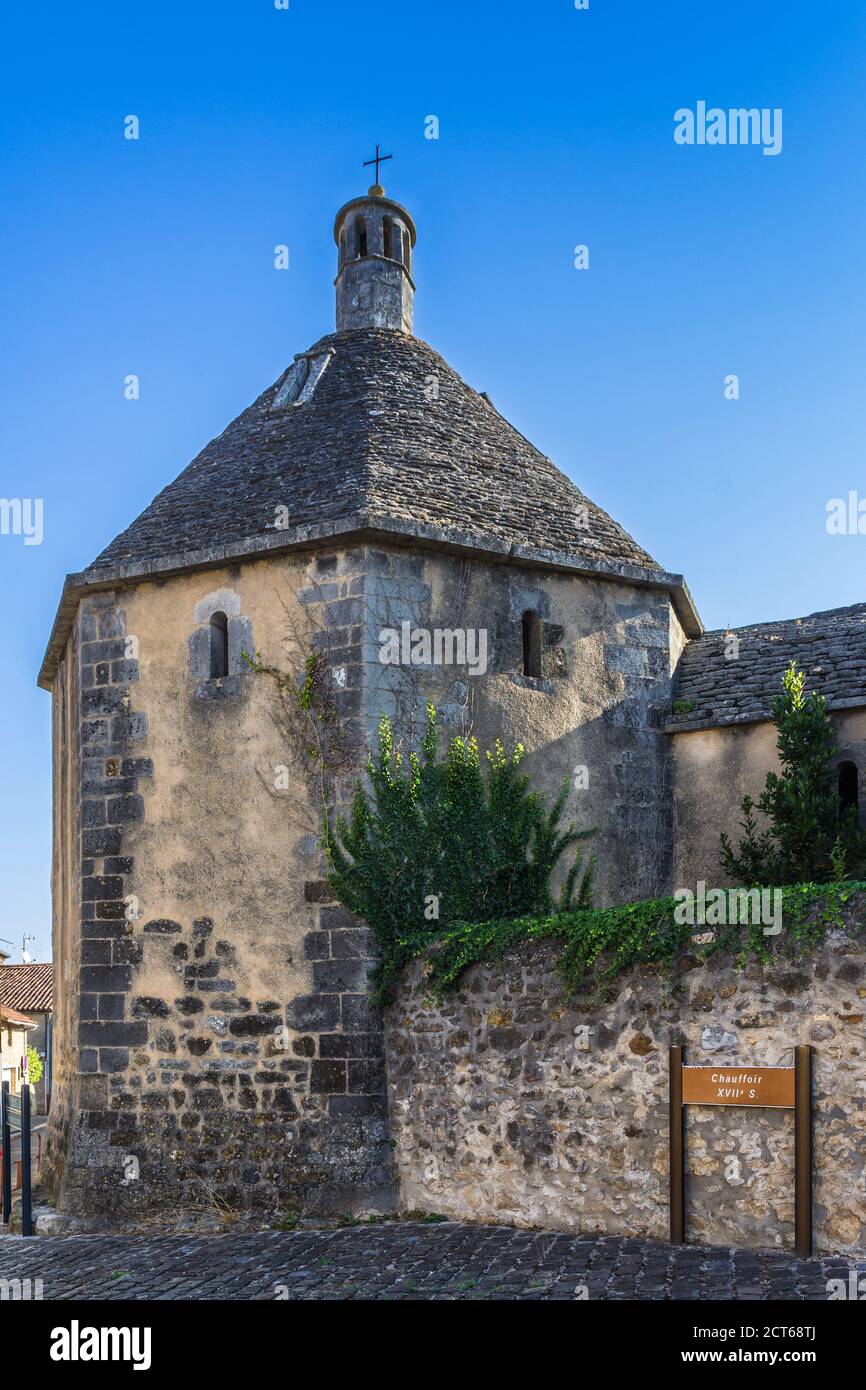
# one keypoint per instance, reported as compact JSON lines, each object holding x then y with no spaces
{"x":391,"y":437}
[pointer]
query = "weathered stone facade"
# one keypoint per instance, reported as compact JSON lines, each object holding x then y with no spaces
{"x":721,"y":728}
{"x":215,"y":1040}
{"x":214,"y":1036}
{"x":512,"y":1104}
{"x":716,"y":766}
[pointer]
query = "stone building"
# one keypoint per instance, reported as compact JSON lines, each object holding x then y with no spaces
{"x":724,"y":740}
{"x":29,"y":988}
{"x":213,"y":1030}
{"x":16,"y":1035}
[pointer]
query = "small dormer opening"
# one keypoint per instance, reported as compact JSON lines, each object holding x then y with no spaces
{"x":532,"y":643}
{"x":849,"y":790}
{"x":301,"y":381}
{"x":292,"y":385}
{"x":360,"y":236}
{"x":219,"y":646}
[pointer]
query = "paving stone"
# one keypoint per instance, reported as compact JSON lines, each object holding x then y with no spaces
{"x":401,"y":1261}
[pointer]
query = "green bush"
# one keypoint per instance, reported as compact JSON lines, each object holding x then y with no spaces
{"x":809,"y":837}
{"x":34,"y":1066}
{"x":435,"y":841}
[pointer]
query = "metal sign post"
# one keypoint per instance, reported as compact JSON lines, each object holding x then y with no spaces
{"x":26,"y":1194}
{"x":678,"y":1148}
{"x":803,"y":1150}
{"x":778,"y":1088}
{"x":6,"y":1141}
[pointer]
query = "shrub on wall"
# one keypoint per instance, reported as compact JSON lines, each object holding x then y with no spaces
{"x":441,"y":840}
{"x":810,"y":836}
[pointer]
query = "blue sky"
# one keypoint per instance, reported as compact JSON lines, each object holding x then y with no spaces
{"x":155,"y":257}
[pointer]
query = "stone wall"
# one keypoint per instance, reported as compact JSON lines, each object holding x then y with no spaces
{"x":511,"y":1104}
{"x":594,"y":719}
{"x":214,"y":1038}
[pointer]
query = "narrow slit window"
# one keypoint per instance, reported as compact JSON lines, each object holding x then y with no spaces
{"x":387,"y":238}
{"x":407,"y":251}
{"x":532,"y":644}
{"x":849,"y":790}
{"x":219,"y":646}
{"x":360,"y":236}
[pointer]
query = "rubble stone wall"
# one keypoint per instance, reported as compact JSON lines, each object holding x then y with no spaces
{"x":510,"y":1103}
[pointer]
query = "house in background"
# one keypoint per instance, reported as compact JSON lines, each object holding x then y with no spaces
{"x":27,"y":991}
{"x":15,"y":1038}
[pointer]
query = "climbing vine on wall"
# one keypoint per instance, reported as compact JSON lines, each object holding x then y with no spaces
{"x":311,"y":722}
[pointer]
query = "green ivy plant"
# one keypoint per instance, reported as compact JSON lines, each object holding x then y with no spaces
{"x":437,"y":840}
{"x":599,"y":944}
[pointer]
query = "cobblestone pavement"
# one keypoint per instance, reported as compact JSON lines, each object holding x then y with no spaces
{"x":406,"y":1260}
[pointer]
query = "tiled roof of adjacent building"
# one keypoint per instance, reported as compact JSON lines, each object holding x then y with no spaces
{"x":829,"y":647}
{"x":17,"y":1020}
{"x":390,"y":434}
{"x":28,"y":987}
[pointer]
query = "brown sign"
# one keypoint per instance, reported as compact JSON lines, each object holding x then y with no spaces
{"x":778,"y":1087}
{"x":755,"y":1085}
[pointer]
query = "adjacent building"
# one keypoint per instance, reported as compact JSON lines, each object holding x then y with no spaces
{"x":15,"y":1037}
{"x":29,"y":989}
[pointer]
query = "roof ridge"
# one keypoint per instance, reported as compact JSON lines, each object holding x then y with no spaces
{"x":851,"y":608}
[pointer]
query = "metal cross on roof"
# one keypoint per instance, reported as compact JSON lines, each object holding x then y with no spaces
{"x":379,"y":159}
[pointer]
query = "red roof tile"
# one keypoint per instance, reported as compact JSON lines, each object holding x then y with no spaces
{"x":28,"y":987}
{"x":12,"y":1016}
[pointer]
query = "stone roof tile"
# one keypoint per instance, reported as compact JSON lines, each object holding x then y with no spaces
{"x":830,"y":647}
{"x":391,"y":433}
